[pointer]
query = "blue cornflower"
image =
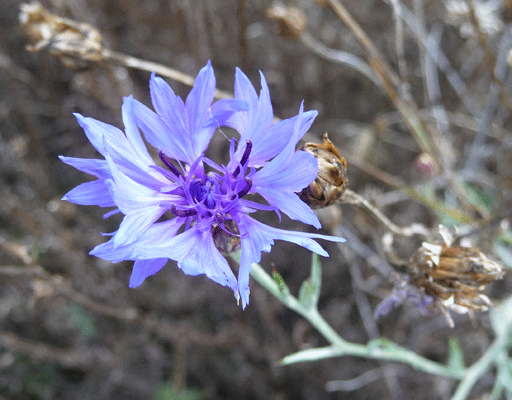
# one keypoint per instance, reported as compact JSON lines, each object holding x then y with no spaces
{"x":189,"y":208}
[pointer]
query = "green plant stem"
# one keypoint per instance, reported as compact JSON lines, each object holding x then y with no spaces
{"x":479,"y":368}
{"x":377,"y":349}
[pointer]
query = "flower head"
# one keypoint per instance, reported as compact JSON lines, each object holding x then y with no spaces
{"x":444,"y":277}
{"x":331,"y":181}
{"x":188,"y":208}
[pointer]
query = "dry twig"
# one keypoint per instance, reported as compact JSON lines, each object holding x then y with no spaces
{"x":353,"y":198}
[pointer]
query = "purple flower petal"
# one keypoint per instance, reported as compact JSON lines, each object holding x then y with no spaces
{"x":158,"y":234}
{"x":172,"y":208}
{"x":133,"y":135}
{"x":287,"y":173}
{"x":134,"y":224}
{"x":278,"y":136}
{"x":159,"y":134}
{"x":144,"y":268}
{"x":204,"y":258}
{"x":95,"y":193}
{"x":173,"y":112}
{"x":199,"y":101}
{"x":222,"y":110}
{"x":196,"y":255}
{"x":98,"y":168}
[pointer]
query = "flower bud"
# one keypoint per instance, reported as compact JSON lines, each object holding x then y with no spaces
{"x":331,"y":181}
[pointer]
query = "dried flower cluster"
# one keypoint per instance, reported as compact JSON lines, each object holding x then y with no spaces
{"x":447,"y":277}
{"x":291,"y":20}
{"x":453,"y":274}
{"x":75,"y":44}
{"x":331,"y":181}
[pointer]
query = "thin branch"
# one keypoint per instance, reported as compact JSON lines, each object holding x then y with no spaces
{"x":432,"y":83}
{"x":133,"y":62}
{"x":353,"y":198}
{"x":485,"y":119}
{"x":340,"y":57}
{"x":443,"y":63}
{"x":489,"y":58}
{"x":88,"y":358}
{"x":175,"y":332}
{"x":391,"y":83}
{"x":399,"y":39}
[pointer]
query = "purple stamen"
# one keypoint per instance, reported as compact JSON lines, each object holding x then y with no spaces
{"x":182,"y":213}
{"x":245,"y":157}
{"x":245,"y":190}
{"x":167,"y":161}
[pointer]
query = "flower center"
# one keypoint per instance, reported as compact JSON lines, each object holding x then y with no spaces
{"x":210,"y":196}
{"x":201,"y":191}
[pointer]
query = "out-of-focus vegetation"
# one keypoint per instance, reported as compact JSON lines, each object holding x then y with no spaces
{"x":419,"y":104}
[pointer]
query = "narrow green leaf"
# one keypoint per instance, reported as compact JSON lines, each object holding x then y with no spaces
{"x":310,"y":289}
{"x":455,"y":355}
{"x":316,"y":274}
{"x":311,"y":355}
{"x":480,"y":198}
{"x":281,"y":284}
{"x":306,"y":294}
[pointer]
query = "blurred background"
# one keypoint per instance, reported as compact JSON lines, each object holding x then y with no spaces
{"x":70,"y":328}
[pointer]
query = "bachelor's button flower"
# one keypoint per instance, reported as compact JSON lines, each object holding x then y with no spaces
{"x":189,"y":209}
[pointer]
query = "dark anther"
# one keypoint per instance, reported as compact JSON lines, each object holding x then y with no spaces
{"x":245,"y":157}
{"x":245,"y":190}
{"x":183,"y":213}
{"x":166,"y":160}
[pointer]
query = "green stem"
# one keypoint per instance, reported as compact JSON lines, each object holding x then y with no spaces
{"x":479,"y":368}
{"x":378,"y":349}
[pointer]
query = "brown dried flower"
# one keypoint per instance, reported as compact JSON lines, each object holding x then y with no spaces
{"x":76,"y":44}
{"x":455,"y":276}
{"x":291,"y":20}
{"x":331,"y":181}
{"x":441,"y":276}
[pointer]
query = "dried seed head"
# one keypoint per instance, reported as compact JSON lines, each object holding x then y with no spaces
{"x":75,"y":44}
{"x":454,"y":275}
{"x":291,"y":20}
{"x":443,"y":277}
{"x":331,"y":181}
